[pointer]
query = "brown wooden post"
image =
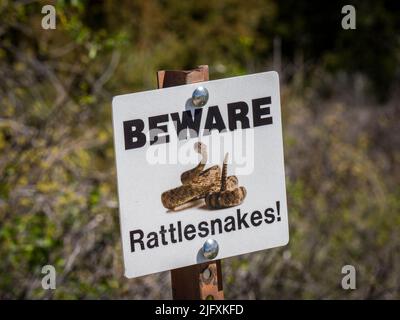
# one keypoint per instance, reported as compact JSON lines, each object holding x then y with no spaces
{"x":201,"y":281}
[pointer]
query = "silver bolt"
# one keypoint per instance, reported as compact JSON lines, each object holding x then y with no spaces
{"x":210,"y":249}
{"x":200,"y":96}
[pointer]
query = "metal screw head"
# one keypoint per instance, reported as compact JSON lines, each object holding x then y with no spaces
{"x":210,"y":249}
{"x":200,"y":96}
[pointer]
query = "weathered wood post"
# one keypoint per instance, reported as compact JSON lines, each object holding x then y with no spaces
{"x":201,"y":281}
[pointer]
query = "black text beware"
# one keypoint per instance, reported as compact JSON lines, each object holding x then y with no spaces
{"x":189,"y":122}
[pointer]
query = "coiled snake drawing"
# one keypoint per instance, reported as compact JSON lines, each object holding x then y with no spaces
{"x":218,"y":190}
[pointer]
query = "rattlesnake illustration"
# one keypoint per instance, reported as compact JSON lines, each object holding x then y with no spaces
{"x":230,"y":194}
{"x":219,"y":191}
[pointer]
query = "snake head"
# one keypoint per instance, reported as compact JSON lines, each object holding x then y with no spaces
{"x":201,"y":148}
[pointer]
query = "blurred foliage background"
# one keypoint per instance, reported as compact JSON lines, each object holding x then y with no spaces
{"x":340,"y":101}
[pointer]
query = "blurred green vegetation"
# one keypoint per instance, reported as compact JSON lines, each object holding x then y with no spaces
{"x":58,"y":202}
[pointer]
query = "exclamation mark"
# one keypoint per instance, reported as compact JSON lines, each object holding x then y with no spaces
{"x":278,"y":210}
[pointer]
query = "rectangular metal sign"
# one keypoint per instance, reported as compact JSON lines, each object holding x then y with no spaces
{"x":200,"y":182}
